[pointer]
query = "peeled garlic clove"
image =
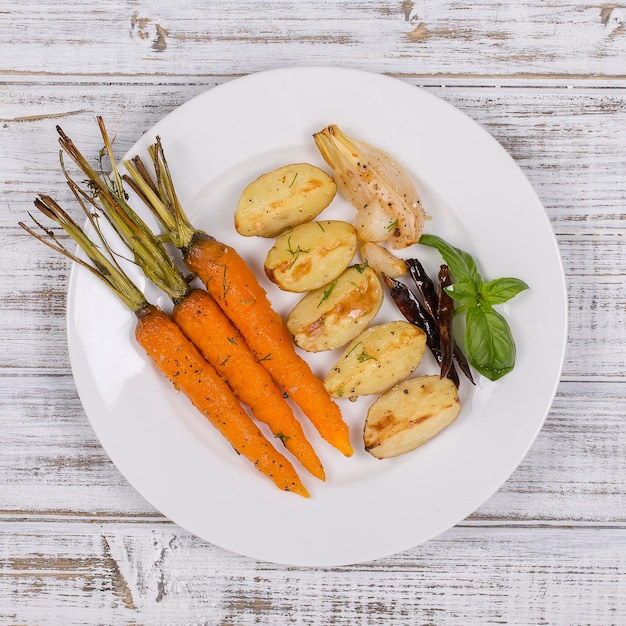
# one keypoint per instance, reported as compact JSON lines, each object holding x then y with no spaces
{"x":373,"y":182}
{"x":382,"y":261}
{"x":373,"y":223}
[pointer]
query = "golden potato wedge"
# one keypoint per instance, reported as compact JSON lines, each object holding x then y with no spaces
{"x":382,"y":260}
{"x":311,"y":255}
{"x":377,"y":359}
{"x":409,"y":414}
{"x":331,"y":316}
{"x":283,"y":198}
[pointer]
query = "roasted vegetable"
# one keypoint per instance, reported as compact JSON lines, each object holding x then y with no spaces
{"x":424,"y":284}
{"x":311,"y":255}
{"x":409,"y":414}
{"x":415,"y":312}
{"x":381,"y":260}
{"x":377,"y":359}
{"x":387,"y":203}
{"x":445,"y":315}
{"x":283,"y":198}
{"x":331,"y":316}
{"x":428,"y":292}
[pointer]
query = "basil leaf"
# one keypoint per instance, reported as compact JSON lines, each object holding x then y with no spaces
{"x":489,"y":343}
{"x":464,"y":292}
{"x":461,"y":264}
{"x":501,"y":290}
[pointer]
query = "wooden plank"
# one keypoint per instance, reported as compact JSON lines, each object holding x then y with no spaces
{"x":570,"y":142}
{"x":33,"y":283}
{"x":572,"y":38}
{"x":71,"y":571}
{"x":548,"y":80}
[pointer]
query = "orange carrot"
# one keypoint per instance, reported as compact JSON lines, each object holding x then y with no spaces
{"x":225,"y":348}
{"x":190,"y":373}
{"x":195,"y":311}
{"x":234,"y":286}
{"x":236,"y":289}
{"x":176,"y":356}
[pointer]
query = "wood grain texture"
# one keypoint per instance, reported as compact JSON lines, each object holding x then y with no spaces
{"x":51,"y":461}
{"x":418,"y":38}
{"x":153,"y":573}
{"x":78,"y":545}
{"x":570,"y":143}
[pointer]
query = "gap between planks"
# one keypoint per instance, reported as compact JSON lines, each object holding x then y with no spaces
{"x":436,"y":80}
{"x":54,"y":517}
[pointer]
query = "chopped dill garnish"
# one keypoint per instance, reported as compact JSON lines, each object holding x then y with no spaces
{"x":284,"y":438}
{"x":353,"y":348}
{"x":294,"y":253}
{"x":392,"y":225}
{"x":327,"y":293}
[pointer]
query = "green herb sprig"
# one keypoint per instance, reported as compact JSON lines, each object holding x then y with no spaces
{"x":489,"y":344}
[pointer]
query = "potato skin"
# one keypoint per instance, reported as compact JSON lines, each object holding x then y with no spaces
{"x":409,"y":414}
{"x":311,"y":255}
{"x":377,"y":359}
{"x":280,"y":199}
{"x":331,"y":316}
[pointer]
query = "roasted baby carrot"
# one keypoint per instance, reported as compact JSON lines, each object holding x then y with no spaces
{"x":176,"y":356}
{"x":228,"y":352}
{"x":190,"y":373}
{"x":234,"y":286}
{"x":236,"y":289}
{"x":197,"y":313}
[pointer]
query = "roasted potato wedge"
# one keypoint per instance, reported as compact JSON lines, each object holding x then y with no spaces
{"x":409,"y":414}
{"x":331,"y":316}
{"x":382,"y":260}
{"x":283,"y":198}
{"x":311,"y":255}
{"x":377,"y":359}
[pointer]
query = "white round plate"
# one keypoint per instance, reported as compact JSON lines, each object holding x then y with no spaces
{"x":478,"y":200}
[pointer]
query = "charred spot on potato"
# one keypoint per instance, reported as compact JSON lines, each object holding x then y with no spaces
{"x":331,"y":316}
{"x":378,"y":358}
{"x":396,"y":425}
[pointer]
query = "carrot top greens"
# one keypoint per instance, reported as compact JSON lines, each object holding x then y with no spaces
{"x":109,"y":199}
{"x":160,"y":195}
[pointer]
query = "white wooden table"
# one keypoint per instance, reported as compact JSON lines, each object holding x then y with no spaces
{"x":548,"y":80}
